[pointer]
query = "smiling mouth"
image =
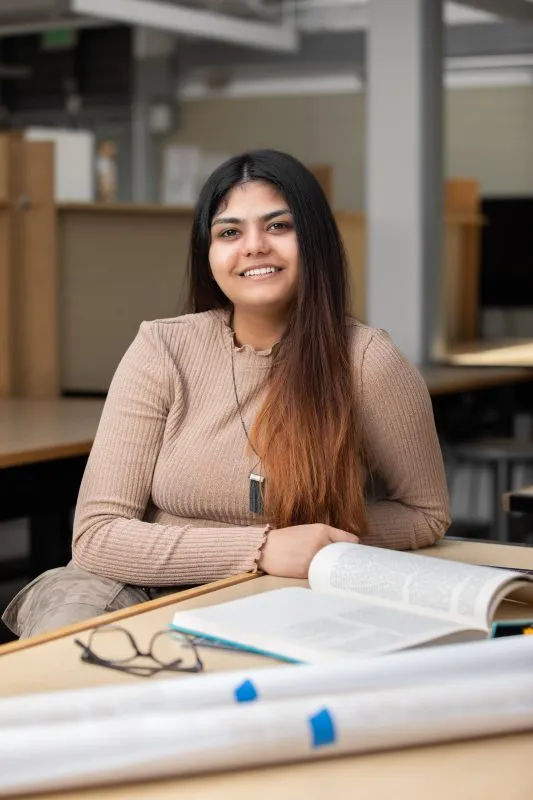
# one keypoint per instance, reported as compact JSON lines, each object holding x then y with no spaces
{"x":260,"y":272}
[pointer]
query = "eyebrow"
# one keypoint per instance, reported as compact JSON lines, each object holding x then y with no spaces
{"x":237,"y":221}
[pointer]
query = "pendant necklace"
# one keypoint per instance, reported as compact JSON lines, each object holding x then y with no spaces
{"x":257,"y":481}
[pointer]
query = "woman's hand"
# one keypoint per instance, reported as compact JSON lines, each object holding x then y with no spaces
{"x":288,"y":552}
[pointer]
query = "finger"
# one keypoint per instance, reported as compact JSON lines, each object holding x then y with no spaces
{"x":336,"y":535}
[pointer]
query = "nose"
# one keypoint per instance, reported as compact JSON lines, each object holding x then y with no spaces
{"x":254,"y":242}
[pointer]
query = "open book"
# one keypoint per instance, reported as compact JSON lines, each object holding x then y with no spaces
{"x":363,"y":601}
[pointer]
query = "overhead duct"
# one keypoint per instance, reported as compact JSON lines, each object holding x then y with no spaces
{"x":184,"y":20}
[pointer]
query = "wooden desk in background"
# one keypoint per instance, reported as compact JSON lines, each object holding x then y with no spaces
{"x":448,"y":379}
{"x":489,"y":768}
{"x":493,"y":353}
{"x":44,"y":446}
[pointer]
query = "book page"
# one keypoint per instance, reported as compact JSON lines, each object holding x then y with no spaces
{"x":299,"y":624}
{"x":445,"y":589}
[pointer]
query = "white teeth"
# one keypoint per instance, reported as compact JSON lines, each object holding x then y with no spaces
{"x":262,"y":271}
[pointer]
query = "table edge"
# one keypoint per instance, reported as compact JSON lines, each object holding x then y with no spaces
{"x":468,"y":383}
{"x":126,"y":613}
{"x":46,"y":453}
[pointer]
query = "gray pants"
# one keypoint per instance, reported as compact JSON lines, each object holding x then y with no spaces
{"x":66,"y":595}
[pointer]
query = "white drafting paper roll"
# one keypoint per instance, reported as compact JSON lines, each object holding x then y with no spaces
{"x":179,"y":743}
{"x":415,"y":667}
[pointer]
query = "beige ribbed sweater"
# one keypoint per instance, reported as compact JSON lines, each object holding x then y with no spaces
{"x":164,"y":498}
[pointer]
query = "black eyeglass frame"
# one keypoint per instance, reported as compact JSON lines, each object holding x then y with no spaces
{"x":142,"y":671}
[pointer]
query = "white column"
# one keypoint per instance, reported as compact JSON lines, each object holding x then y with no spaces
{"x":404,"y":172}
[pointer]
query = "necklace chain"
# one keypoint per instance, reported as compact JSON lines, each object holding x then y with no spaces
{"x":239,"y":405}
{"x":256,"y":486}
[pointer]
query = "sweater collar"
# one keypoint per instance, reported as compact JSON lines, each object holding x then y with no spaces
{"x":224,"y":317}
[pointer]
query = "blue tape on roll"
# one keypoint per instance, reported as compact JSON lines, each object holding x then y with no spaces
{"x":246,"y":692}
{"x":322,"y":729}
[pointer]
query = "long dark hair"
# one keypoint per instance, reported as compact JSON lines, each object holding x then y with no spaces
{"x":308,"y":431}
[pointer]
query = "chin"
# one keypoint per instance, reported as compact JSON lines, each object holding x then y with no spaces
{"x":265,"y":300}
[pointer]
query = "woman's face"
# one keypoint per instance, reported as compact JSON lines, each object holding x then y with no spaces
{"x":254,"y":250}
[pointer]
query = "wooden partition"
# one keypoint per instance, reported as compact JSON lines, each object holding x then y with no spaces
{"x":324,"y":175}
{"x":120,"y":264}
{"x":459,"y":276}
{"x":462,"y":205}
{"x":462,"y":237}
{"x":29,"y":286}
{"x":351,"y":226}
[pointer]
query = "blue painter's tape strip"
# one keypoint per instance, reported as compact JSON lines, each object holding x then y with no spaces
{"x":246,"y":692}
{"x":322,"y":729}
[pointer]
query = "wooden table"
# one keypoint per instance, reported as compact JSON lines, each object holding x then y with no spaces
{"x":446,"y":379}
{"x":488,"y":768}
{"x":32,"y":431}
{"x":44,"y":446}
{"x":493,"y":353}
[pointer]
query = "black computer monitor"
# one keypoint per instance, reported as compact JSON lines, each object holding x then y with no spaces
{"x":506,"y":275}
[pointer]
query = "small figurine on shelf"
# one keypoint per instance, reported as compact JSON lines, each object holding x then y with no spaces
{"x":106,"y":172}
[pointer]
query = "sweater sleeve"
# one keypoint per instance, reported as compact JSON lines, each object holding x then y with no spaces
{"x":110,"y":536}
{"x":402,"y":451}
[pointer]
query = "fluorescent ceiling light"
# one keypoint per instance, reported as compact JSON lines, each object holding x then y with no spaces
{"x":489,"y":62}
{"x":286,"y":83}
{"x":204,"y":24}
{"x":488,"y":77}
{"x":197,"y":88}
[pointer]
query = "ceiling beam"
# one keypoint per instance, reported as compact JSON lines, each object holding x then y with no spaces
{"x":316,"y":49}
{"x":348,"y":49}
{"x":203,"y":24}
{"x":512,"y":9}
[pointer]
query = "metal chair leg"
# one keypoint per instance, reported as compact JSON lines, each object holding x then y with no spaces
{"x":502,"y":484}
{"x":473,"y":499}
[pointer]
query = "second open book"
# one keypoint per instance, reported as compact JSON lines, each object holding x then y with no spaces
{"x":363,"y":601}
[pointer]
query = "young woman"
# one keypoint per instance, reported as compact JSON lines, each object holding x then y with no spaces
{"x":241,"y":436}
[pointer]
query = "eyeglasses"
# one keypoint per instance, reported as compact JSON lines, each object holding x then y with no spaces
{"x":115,"y":648}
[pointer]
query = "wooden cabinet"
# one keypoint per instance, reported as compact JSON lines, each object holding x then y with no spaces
{"x":462,"y":259}
{"x":29,"y":282}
